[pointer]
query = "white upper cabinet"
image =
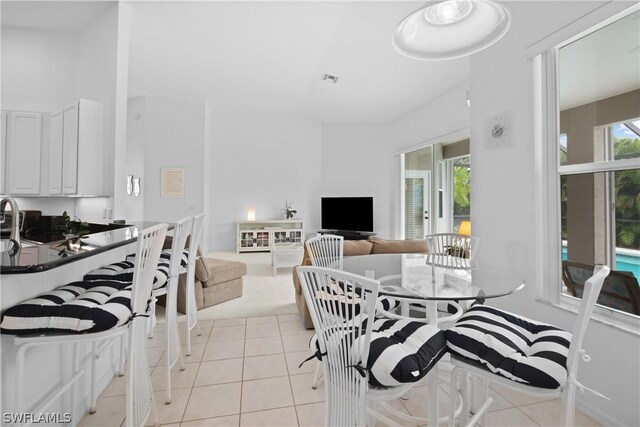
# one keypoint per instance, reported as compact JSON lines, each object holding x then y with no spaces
{"x":55,"y":153}
{"x":24,"y":142}
{"x":70,"y":149}
{"x":76,"y":150}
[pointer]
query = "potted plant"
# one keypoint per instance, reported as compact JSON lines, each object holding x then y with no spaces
{"x":73,"y":231}
{"x":288,"y":210}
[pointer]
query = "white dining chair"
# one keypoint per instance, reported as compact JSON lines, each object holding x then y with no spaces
{"x":451,"y":250}
{"x":140,"y":402}
{"x":191,"y":306}
{"x":326,"y":250}
{"x":522,"y":354}
{"x":358,"y":374}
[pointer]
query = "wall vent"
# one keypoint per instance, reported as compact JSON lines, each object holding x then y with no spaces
{"x":329,"y":77}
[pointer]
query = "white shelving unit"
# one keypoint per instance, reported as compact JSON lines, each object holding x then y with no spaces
{"x":255,"y":236}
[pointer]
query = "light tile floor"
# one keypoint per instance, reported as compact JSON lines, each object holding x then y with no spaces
{"x":244,"y":372}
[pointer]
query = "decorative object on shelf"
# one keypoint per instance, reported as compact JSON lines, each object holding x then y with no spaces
{"x":288,"y":210}
{"x":451,"y":29}
{"x":136,"y":187}
{"x":73,"y":232}
{"x":129,"y":184}
{"x":172,"y":182}
{"x":251,"y":214}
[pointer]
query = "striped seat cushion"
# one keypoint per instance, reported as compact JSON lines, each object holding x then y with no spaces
{"x":164,"y":264}
{"x":513,"y":346}
{"x":121,"y":271}
{"x":86,"y":306}
{"x":400,"y":352}
{"x":346,"y":300}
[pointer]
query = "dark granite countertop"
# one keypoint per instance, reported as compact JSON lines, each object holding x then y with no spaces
{"x":36,"y":257}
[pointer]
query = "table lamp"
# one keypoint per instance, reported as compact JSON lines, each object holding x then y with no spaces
{"x":465,"y":228}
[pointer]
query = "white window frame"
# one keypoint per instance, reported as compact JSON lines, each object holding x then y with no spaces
{"x":547,"y":193}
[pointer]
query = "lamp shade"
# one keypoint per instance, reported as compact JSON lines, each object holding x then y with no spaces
{"x":451,"y":29}
{"x":251,"y":214}
{"x":465,"y":228}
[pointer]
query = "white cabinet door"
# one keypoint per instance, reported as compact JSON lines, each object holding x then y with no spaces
{"x":70,"y":149}
{"x":3,"y":154}
{"x":23,"y":153}
{"x":55,"y":153}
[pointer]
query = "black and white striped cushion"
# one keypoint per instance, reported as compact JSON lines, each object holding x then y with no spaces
{"x":400,"y":352}
{"x":161,"y":277}
{"x":121,"y":271}
{"x":346,"y":300}
{"x":513,"y":346}
{"x":87,"y":306}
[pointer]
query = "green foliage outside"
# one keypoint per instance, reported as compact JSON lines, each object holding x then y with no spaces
{"x":627,"y":185}
{"x":627,"y":196}
{"x":461,"y":188}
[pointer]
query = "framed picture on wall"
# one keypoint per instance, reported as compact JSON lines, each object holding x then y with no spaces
{"x":172,"y":182}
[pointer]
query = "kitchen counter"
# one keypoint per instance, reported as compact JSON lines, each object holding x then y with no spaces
{"x":37,"y":257}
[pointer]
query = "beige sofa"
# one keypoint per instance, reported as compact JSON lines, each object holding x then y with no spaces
{"x":216,"y":281}
{"x":373,"y":245}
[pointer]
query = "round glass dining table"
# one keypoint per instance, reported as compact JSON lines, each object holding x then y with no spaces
{"x":424,"y":277}
{"x":430,"y":278}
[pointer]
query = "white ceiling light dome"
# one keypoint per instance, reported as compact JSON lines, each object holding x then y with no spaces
{"x":451,"y":29}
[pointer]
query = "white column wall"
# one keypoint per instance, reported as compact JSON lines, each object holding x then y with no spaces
{"x":502,"y":197}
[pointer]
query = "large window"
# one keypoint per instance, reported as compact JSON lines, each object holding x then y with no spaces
{"x":598,"y":162}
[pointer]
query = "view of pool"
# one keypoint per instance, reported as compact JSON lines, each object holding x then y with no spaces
{"x":624,"y":262}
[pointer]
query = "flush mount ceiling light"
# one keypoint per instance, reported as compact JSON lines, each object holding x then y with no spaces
{"x":451,"y":29}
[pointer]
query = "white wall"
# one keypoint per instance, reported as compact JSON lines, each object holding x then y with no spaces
{"x":502,"y":197}
{"x":356,"y":160}
{"x":173,"y":137}
{"x":46,"y":70}
{"x":133,"y":207}
{"x":261,"y":160}
{"x":96,"y":80}
{"x":38,"y":69}
{"x":441,"y":116}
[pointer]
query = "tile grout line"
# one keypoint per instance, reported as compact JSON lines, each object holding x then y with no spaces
{"x":244,"y":349}
{"x":194,"y":381}
{"x":293,"y":397}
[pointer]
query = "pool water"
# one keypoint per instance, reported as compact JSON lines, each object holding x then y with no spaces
{"x":623,"y":263}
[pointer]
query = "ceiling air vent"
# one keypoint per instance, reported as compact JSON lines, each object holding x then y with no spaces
{"x":329,"y":77}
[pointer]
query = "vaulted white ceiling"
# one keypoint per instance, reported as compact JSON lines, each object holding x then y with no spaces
{"x":269,"y":56}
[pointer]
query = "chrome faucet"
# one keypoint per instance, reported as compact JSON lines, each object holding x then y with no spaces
{"x":14,"y":237}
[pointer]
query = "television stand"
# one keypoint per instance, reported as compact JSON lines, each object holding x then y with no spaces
{"x":349,"y":235}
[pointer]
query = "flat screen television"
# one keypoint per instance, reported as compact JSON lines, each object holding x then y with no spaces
{"x":347,"y":213}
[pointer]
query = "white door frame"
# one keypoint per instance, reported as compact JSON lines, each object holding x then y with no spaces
{"x":426,"y":194}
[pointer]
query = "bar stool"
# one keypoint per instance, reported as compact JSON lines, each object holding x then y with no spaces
{"x":191,"y":306}
{"x":129,"y":304}
{"x":173,"y":346}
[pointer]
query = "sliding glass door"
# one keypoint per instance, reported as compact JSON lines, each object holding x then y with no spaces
{"x":436,"y":190}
